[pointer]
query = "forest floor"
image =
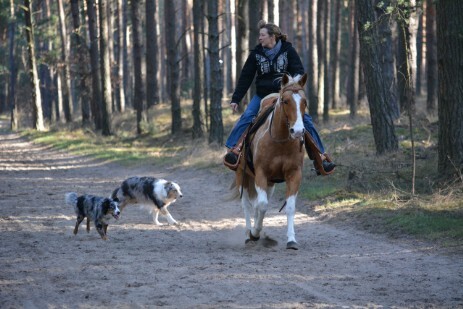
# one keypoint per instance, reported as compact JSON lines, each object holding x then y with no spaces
{"x":200,"y":263}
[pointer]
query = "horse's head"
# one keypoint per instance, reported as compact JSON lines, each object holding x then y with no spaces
{"x":294,"y":103}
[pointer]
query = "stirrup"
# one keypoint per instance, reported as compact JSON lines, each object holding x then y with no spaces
{"x":233,"y":166}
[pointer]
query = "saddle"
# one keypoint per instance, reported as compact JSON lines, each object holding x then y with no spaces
{"x":266,"y":107}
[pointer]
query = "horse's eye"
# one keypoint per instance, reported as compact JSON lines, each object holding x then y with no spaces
{"x":284,"y":102}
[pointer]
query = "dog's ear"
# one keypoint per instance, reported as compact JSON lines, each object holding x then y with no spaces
{"x":106,"y":205}
{"x":168,"y":186}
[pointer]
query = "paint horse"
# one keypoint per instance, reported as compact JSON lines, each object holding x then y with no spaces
{"x":274,"y":154}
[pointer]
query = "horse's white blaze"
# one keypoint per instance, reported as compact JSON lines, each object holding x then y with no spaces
{"x":299,"y":124}
{"x":290,"y":212}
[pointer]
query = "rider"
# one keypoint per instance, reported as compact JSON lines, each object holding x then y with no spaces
{"x":273,"y":57}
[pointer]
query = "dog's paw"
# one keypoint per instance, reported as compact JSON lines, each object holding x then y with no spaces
{"x":105,"y":238}
{"x":158,"y":223}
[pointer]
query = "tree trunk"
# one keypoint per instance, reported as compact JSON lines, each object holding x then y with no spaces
{"x":64,"y":70}
{"x":242,"y":35}
{"x":12,"y":69}
{"x":152,"y":92}
{"x":216,"y":132}
{"x":449,"y":20}
{"x":381,"y":119}
{"x":335,"y":51}
{"x":137,"y":70}
{"x":431,"y":57}
{"x":270,"y":9}
{"x":95,"y":64}
{"x":321,"y":55}
{"x":405,"y":61}
{"x":37,"y":116}
{"x":353,"y":68}
{"x":119,"y":58}
{"x":312,"y":62}
{"x":387,"y":54}
{"x":196,"y":112}
{"x":327,"y":60}
{"x":78,"y":65}
{"x":419,"y":49}
{"x":173,"y":68}
{"x":105,"y":69}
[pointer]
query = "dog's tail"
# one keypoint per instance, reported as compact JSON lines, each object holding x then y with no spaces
{"x":114,"y":195}
{"x":71,"y":199}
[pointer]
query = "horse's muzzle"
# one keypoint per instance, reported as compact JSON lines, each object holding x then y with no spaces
{"x":296,"y":134}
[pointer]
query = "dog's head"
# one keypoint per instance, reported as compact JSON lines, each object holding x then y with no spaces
{"x":172,"y":190}
{"x":111,"y":206}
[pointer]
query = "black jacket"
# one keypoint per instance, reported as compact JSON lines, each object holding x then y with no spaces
{"x":269,"y":72}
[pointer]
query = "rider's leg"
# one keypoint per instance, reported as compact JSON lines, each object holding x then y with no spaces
{"x":327,"y":165}
{"x":244,"y":121}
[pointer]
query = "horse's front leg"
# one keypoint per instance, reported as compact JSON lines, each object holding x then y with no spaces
{"x":292,"y":187}
{"x":261,"y":204}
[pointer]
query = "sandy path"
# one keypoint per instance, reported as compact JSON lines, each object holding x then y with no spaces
{"x":201,"y":263}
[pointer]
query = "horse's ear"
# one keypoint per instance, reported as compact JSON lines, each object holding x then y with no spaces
{"x":284,"y":80}
{"x":303,"y":80}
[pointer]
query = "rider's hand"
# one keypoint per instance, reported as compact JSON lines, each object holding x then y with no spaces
{"x":234,"y":106}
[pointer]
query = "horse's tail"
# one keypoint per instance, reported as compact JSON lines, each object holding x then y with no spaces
{"x":234,"y":193}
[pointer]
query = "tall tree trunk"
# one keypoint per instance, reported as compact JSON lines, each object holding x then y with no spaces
{"x":37,"y":116}
{"x":45,"y":46}
{"x":449,"y":20}
{"x":321,"y":55}
{"x":431,"y":57}
{"x":126,"y":66}
{"x":105,"y":69}
{"x":12,"y":68}
{"x":137,"y":65}
{"x":152,"y":92}
{"x":78,"y":65}
{"x":419,"y":48}
{"x":242,"y":34}
{"x":67,"y":95}
{"x":270,"y":9}
{"x":254,"y":17}
{"x":405,"y":60}
{"x":173,"y":68}
{"x":216,"y":133}
{"x":327,"y":59}
{"x":206,"y":70}
{"x":353,"y":68}
{"x":95,"y":64}
{"x":312,"y":61}
{"x":387,"y":54}
{"x":381,"y":119}
{"x":119,"y":57}
{"x":196,"y":111}
{"x":335,"y":52}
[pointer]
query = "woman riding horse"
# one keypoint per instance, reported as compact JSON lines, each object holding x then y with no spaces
{"x":273,"y":57}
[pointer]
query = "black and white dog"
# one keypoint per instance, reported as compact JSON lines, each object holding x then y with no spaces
{"x":98,"y":209}
{"x":157,"y":194}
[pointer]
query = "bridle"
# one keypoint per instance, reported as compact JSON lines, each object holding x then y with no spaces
{"x":294,"y":88}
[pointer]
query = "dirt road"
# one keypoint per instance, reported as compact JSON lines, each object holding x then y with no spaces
{"x":203,"y":262}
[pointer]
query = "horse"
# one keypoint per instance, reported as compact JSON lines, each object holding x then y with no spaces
{"x":276,"y":155}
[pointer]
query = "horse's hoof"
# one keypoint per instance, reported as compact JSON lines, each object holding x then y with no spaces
{"x":253,"y":238}
{"x":292,"y":245}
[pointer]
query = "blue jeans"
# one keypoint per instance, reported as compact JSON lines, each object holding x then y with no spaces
{"x":251,"y":112}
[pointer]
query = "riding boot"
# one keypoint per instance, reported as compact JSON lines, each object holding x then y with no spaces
{"x":233,"y":156}
{"x":323,"y":167}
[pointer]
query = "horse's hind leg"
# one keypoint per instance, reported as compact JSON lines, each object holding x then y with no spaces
{"x":247,"y":208}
